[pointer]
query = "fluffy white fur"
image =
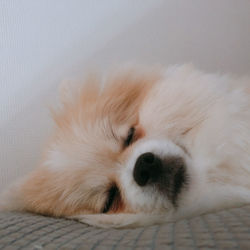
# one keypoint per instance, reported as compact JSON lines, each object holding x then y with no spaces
{"x":203,"y":118}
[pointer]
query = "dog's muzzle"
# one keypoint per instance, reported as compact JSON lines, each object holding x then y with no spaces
{"x":167,"y":175}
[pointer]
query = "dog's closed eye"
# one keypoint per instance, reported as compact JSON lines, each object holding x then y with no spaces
{"x":130,"y":137}
{"x":113,"y":199}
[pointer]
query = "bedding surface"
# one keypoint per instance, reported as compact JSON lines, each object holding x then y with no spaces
{"x":227,"y":229}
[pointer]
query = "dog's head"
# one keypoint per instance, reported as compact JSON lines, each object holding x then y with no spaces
{"x":115,"y":150}
{"x":124,"y":149}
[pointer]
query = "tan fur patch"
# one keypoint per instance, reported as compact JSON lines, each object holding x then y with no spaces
{"x":87,"y":132}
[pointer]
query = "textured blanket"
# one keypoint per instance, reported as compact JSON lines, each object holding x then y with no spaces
{"x":227,"y":229}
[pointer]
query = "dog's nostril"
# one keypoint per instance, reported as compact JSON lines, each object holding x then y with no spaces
{"x":144,"y":176}
{"x":148,"y":158}
{"x":147,"y":169}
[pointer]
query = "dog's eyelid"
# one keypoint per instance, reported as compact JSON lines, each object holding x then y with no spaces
{"x":113,"y":192}
{"x":130,"y":136}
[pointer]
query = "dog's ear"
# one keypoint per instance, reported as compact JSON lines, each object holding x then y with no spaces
{"x":73,"y":96}
{"x":71,"y":91}
{"x":124,"y":93}
{"x":116,"y":96}
{"x":68,"y":90}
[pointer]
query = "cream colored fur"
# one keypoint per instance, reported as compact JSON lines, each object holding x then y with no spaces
{"x":204,"y":118}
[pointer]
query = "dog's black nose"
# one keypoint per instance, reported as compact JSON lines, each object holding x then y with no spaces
{"x":148,"y":168}
{"x":167,"y":174}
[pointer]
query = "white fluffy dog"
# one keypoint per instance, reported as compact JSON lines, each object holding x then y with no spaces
{"x":146,"y":148}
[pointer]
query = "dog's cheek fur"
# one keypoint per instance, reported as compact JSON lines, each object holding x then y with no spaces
{"x":53,"y":193}
{"x":58,"y":187}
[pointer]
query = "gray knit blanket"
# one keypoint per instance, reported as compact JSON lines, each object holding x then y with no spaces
{"x":227,"y":229}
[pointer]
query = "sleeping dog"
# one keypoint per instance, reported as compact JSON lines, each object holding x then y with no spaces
{"x":146,"y":147}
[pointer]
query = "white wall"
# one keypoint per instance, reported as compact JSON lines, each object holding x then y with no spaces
{"x":43,"y":42}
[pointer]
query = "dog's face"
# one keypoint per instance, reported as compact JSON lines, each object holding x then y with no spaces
{"x":138,"y":146}
{"x":115,"y":158}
